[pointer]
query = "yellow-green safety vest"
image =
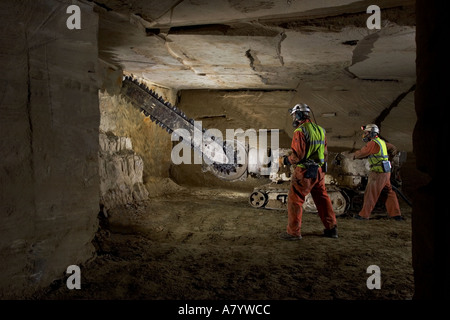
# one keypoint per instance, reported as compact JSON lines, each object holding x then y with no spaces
{"x":375,"y":159}
{"x":315,"y":137}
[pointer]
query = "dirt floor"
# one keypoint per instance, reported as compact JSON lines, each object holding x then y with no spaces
{"x":212,"y":245}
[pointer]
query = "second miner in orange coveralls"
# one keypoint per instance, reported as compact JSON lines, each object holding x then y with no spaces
{"x":377,"y":150}
{"x":309,"y":150}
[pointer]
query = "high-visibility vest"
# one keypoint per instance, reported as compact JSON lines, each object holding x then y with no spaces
{"x":315,"y":137}
{"x":376,"y":159}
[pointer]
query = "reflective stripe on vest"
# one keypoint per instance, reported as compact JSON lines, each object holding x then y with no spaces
{"x":375,"y":159}
{"x":315,"y":137}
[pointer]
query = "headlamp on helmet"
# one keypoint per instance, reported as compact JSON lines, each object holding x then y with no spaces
{"x":372,"y":131}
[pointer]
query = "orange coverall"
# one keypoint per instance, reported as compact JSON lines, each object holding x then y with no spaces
{"x":376,"y":183}
{"x":301,"y":187}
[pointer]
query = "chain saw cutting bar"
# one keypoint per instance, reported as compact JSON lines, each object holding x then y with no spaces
{"x":174,"y":121}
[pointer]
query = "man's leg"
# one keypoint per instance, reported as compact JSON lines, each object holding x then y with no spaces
{"x":392,"y":205}
{"x":323,"y":202}
{"x":374,"y":186}
{"x":300,"y":188}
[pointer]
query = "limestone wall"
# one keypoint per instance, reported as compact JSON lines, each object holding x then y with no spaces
{"x":49,"y":120}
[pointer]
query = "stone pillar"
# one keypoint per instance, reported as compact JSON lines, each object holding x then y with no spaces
{"x":121,"y":172}
{"x":430,"y":227}
{"x":49,"y":127}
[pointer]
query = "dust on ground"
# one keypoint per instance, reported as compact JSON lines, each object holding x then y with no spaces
{"x":211,"y":244}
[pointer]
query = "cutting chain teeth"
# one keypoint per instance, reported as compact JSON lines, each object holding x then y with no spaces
{"x":160,"y":99}
{"x":223,"y":168}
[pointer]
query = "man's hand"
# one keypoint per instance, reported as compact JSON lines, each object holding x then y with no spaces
{"x":283,"y":161}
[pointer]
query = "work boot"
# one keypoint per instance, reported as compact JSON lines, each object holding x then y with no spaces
{"x":290,"y":237}
{"x":330,"y":233}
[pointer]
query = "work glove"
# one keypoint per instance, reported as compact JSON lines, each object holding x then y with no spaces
{"x":284,"y":161}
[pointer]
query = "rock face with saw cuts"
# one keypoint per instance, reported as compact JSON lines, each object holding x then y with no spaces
{"x":121,"y":171}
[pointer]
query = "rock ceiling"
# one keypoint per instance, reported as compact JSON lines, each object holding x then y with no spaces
{"x":318,"y":52}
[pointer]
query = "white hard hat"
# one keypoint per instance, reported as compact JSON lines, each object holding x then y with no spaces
{"x":371,"y":128}
{"x":303,"y":107}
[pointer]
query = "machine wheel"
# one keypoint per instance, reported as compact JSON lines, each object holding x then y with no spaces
{"x":237,"y":167}
{"x":339,"y":201}
{"x":309,"y":205}
{"x":258,"y":199}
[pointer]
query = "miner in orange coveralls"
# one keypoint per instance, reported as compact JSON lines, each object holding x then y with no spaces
{"x":377,"y":151}
{"x":309,"y":152}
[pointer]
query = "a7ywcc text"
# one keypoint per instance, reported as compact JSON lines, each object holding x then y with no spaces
{"x":232,"y":309}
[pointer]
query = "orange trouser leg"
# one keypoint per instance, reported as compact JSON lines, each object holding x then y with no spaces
{"x":392,"y":206}
{"x":300,"y":188}
{"x":323,"y":202}
{"x":376,"y":183}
